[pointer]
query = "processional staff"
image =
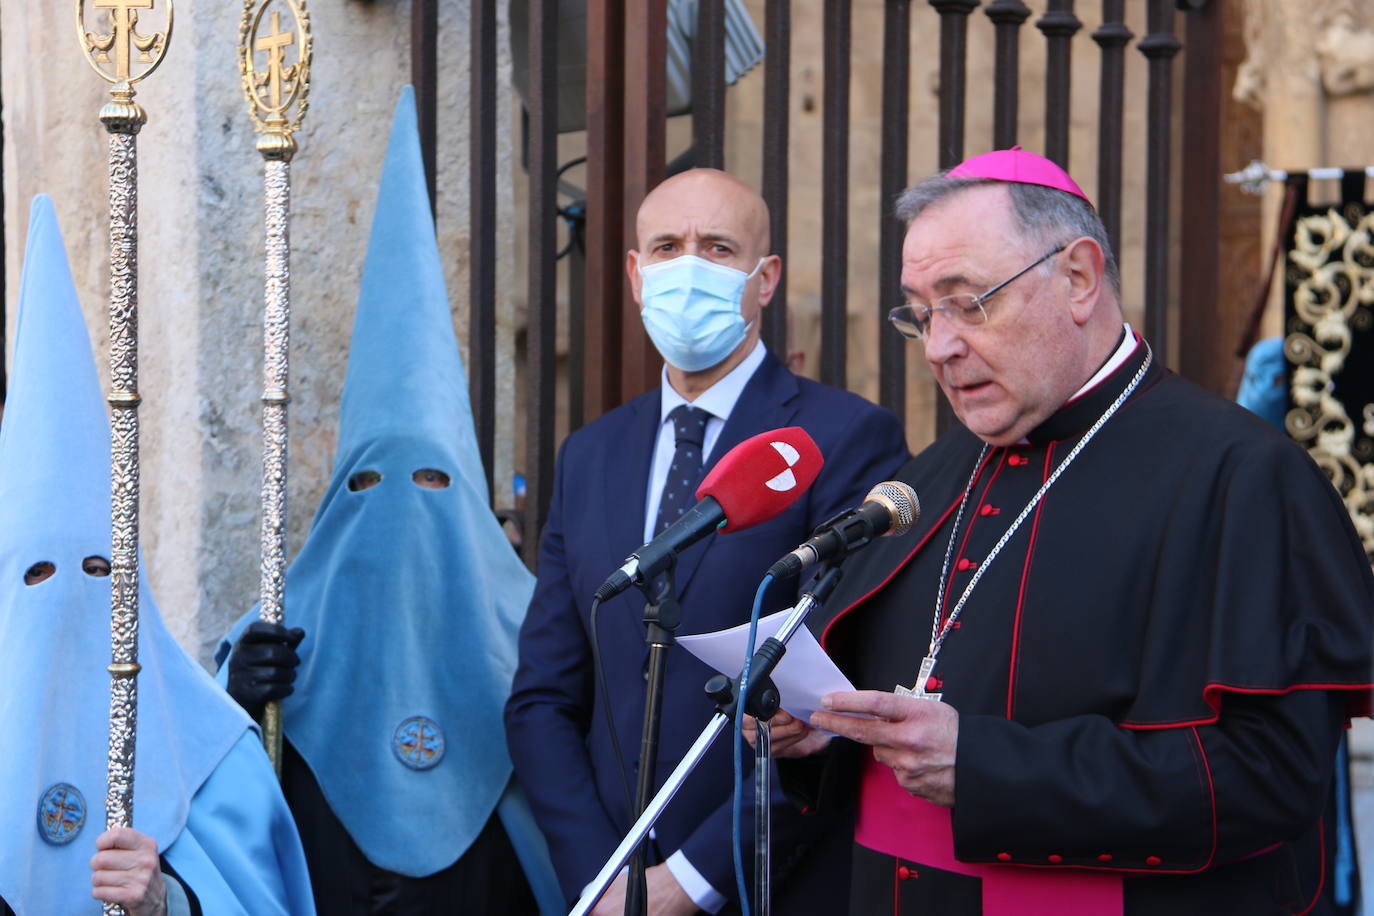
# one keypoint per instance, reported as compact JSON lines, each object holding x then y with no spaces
{"x":276,"y":91}
{"x":123,"y":56}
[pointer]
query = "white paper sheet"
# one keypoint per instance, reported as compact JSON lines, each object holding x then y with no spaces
{"x":804,"y":675}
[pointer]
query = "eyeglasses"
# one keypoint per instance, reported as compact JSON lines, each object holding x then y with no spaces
{"x":913,"y":319}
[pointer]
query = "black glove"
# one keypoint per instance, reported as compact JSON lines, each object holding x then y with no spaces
{"x":263,"y":665}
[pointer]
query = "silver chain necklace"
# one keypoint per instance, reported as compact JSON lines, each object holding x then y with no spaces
{"x":938,"y":632}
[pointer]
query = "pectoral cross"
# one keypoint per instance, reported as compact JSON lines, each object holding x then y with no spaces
{"x":918,"y":690}
{"x":123,"y":19}
{"x":275,"y":45}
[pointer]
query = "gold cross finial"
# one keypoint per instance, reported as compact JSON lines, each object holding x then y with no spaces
{"x":276,"y":88}
{"x":275,"y":45}
{"x":112,"y":53}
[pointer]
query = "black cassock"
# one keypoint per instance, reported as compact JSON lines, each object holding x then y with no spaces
{"x":1151,"y":676}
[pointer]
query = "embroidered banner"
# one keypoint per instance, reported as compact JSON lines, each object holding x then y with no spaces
{"x":1329,"y":344}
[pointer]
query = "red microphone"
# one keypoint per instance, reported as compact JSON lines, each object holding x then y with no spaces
{"x":753,"y":482}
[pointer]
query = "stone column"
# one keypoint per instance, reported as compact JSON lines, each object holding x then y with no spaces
{"x":1310,"y":71}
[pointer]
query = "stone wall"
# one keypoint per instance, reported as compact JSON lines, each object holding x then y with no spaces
{"x":201,"y":259}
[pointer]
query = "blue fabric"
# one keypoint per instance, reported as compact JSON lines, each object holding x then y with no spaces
{"x":55,"y":635}
{"x":1343,"y":866}
{"x":558,"y":735}
{"x":1262,"y":388}
{"x":410,"y":598}
{"x":530,"y":848}
{"x":239,"y":820}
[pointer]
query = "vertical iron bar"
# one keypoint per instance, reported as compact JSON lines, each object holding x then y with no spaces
{"x":1112,"y":37}
{"x":835,"y":194}
{"x":953,"y":77}
{"x":1202,"y":319}
{"x":708,"y":85}
{"x":776,"y":99}
{"x":1058,"y":26}
{"x":541,"y":325}
{"x":424,"y":74}
{"x":646,"y":82}
{"x":646,"y":22}
{"x":1159,"y":46}
{"x":577,"y":321}
{"x":1007,"y":17}
{"x":482,"y":231}
{"x":605,"y":287}
{"x":896,"y":124}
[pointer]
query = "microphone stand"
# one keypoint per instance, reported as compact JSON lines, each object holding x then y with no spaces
{"x":762,"y":694}
{"x":662,"y":616}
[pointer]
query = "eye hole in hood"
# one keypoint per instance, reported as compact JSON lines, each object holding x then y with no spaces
{"x":39,"y":572}
{"x":364,"y":480}
{"x":96,"y":566}
{"x":430,"y":478}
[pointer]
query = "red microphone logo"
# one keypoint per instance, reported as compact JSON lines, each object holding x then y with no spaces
{"x":762,"y":476}
{"x":786,"y":480}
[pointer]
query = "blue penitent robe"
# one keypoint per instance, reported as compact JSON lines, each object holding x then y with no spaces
{"x":410,"y":597}
{"x":203,"y":787}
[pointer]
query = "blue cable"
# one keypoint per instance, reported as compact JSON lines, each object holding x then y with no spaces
{"x":738,"y":747}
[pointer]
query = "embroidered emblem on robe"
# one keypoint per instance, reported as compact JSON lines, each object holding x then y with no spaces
{"x":61,"y":813}
{"x":418,"y":743}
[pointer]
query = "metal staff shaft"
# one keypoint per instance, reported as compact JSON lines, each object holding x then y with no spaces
{"x":112,"y":55}
{"x":276,"y":353}
{"x":275,"y":90}
{"x":123,"y":119}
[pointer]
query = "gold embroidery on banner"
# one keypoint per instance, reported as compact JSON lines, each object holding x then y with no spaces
{"x":1330,"y":274}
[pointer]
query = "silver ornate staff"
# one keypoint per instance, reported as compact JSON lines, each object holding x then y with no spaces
{"x":276,"y":93}
{"x":123,"y":56}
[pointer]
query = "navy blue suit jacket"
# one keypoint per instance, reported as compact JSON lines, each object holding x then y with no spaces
{"x":555,"y":727}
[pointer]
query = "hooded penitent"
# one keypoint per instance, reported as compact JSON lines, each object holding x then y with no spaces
{"x":55,"y":644}
{"x":407,"y":589}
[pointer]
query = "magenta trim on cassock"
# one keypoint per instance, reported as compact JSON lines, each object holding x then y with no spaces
{"x":898,"y":824}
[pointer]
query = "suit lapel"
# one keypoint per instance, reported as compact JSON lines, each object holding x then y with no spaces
{"x":626,"y":478}
{"x":768,"y":401}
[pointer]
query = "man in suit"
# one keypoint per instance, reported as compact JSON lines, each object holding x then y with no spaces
{"x":701,"y":275}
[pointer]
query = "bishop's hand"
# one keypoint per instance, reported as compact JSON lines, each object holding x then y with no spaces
{"x":915,"y":737}
{"x":263,"y":665}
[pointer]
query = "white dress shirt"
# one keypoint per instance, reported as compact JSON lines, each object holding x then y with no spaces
{"x":718,"y":401}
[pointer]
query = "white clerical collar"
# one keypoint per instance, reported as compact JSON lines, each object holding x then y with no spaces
{"x":718,"y":400}
{"x":1123,"y":353}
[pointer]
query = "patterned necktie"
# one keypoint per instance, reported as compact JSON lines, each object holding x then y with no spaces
{"x":684,"y":476}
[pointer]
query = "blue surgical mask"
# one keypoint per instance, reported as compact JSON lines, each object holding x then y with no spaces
{"x":692,"y":310}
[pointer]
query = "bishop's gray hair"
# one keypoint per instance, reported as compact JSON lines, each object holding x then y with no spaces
{"x":1047,"y":216}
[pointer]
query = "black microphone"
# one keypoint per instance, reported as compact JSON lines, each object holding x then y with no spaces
{"x":651,"y":559}
{"x":889,"y":508}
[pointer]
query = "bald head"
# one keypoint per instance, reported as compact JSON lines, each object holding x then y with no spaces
{"x":713,"y":216}
{"x":707,"y":203}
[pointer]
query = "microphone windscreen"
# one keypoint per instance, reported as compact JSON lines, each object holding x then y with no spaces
{"x":762,"y":476}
